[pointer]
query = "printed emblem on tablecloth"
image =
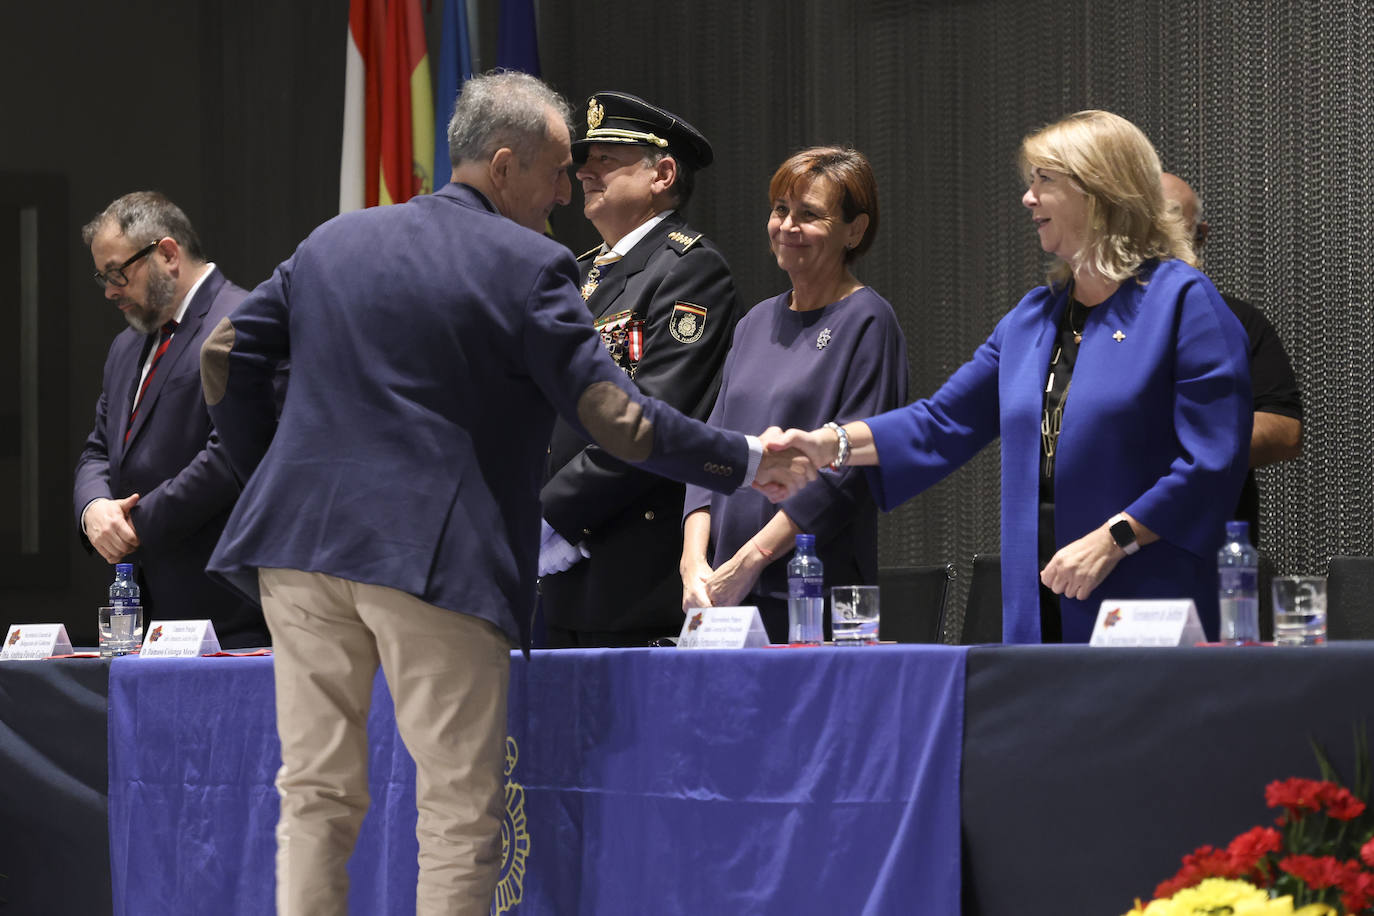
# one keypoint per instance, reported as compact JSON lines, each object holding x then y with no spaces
{"x":687,"y":323}
{"x":515,"y":840}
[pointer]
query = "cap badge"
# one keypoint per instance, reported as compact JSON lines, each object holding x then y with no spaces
{"x":595,"y":114}
{"x":822,"y":339}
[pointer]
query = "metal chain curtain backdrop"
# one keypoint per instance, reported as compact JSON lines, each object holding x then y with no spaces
{"x":1264,"y":107}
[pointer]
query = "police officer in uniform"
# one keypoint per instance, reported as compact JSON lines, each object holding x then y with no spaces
{"x":664,"y":301}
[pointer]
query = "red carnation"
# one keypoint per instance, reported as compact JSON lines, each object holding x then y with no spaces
{"x":1250,"y":847}
{"x":1357,"y":888}
{"x":1367,"y":853}
{"x":1343,"y":806}
{"x":1315,"y":871}
{"x":1296,"y":795}
{"x":1204,"y":862}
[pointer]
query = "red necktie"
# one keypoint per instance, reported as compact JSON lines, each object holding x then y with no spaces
{"x":163,"y":342}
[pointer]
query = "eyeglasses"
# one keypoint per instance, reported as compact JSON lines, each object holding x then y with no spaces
{"x":116,"y":276}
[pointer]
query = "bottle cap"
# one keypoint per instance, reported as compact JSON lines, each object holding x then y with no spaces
{"x":124,"y":569}
{"x":806,"y":542}
{"x":1238,"y":531}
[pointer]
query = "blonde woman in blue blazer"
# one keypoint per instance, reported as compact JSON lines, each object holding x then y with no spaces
{"x":1119,"y":390}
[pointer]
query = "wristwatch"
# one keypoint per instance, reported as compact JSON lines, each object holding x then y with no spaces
{"x":1123,"y":533}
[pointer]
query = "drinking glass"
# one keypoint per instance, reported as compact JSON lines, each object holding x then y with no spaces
{"x":854,"y":615}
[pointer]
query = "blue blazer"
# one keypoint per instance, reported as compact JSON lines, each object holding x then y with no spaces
{"x":1157,"y":424}
{"x":174,"y":460}
{"x":431,"y":343}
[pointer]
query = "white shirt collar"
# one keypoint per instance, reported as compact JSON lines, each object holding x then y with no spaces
{"x":632,"y":237}
{"x":191,"y":293}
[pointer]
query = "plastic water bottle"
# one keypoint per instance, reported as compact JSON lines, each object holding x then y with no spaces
{"x":124,"y":591}
{"x":120,"y":634}
{"x":1238,"y":581}
{"x":805,"y":598}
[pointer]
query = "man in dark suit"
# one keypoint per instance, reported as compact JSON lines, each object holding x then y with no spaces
{"x":392,"y":513}
{"x":153,"y":486}
{"x":664,"y":301}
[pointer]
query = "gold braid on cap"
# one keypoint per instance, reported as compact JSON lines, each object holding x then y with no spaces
{"x":611,"y":133}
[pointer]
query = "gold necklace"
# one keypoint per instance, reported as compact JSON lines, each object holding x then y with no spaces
{"x":1077,"y":331}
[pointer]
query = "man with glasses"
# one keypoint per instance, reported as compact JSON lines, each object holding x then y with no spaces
{"x":152,"y":485}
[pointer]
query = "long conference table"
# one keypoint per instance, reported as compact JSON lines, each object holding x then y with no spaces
{"x":890,"y":779}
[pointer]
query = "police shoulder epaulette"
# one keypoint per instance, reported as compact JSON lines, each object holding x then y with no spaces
{"x":588,"y":253}
{"x":681,"y":241}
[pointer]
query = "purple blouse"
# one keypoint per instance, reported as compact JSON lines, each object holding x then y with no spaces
{"x":846,"y":361}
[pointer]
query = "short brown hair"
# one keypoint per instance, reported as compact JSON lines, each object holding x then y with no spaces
{"x":845,"y":168}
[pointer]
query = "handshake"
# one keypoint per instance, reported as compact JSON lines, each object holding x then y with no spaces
{"x":792,"y":459}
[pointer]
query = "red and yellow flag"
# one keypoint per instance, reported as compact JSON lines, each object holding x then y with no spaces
{"x":388,"y":122}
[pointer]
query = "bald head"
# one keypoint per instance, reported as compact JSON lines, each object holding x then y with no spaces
{"x":1177,"y":191}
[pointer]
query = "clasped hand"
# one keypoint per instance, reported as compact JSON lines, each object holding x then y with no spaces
{"x":110,"y":529}
{"x":784,"y":469}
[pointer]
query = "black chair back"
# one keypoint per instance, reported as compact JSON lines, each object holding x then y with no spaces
{"x":1350,"y":598}
{"x":983,"y":613}
{"x":913,"y":602}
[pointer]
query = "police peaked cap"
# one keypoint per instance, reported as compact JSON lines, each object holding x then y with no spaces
{"x":618,"y":117}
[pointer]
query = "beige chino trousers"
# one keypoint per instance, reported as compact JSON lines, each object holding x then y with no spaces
{"x":448,"y":674}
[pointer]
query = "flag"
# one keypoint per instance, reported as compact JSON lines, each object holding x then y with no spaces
{"x":386,"y":150}
{"x":455,"y":68}
{"x":362,"y":103}
{"x":517,"y":39}
{"x":407,"y":132}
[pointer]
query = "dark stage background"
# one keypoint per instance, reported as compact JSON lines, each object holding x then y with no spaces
{"x":235,"y":109}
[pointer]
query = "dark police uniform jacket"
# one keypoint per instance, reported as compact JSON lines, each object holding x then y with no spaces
{"x":667,"y":311}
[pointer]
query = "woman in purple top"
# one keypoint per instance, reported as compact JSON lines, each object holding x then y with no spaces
{"x":828,"y":349}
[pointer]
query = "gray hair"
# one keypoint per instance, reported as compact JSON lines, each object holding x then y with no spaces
{"x":502,"y":108}
{"x":144,"y":217}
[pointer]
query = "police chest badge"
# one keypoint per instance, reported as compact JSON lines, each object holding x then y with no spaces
{"x":623,"y":335}
{"x":687,"y":322}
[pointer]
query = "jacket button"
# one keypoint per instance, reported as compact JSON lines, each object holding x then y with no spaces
{"x":649,"y":516}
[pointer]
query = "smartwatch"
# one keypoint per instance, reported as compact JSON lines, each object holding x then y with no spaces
{"x":1123,"y":533}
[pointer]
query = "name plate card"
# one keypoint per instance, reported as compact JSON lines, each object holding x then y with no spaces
{"x":179,"y":639}
{"x":1172,"y":622}
{"x":28,"y":641}
{"x":723,"y":628}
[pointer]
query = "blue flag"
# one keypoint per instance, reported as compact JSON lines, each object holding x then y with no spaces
{"x":517,"y":40}
{"x":455,"y":68}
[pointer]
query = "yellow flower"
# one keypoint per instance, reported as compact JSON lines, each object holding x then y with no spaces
{"x":1219,"y":895}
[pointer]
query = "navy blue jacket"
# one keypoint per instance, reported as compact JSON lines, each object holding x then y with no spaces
{"x":431,"y":343}
{"x":174,"y":461}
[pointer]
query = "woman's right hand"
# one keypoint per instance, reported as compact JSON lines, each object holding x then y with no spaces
{"x":695,"y":574}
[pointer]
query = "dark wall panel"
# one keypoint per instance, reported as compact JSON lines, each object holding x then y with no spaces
{"x":234,"y":109}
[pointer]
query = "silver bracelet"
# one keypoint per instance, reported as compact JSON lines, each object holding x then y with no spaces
{"x":843,"y":456}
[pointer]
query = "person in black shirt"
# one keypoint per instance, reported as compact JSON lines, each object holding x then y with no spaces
{"x":1277,"y":433}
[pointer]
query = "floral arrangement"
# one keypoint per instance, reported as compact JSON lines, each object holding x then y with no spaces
{"x":1317,"y":859}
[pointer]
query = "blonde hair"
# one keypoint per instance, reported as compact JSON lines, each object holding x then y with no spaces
{"x":1111,"y":161}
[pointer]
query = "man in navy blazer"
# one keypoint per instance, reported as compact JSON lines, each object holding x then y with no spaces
{"x":392,"y":514}
{"x":153,"y":487}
